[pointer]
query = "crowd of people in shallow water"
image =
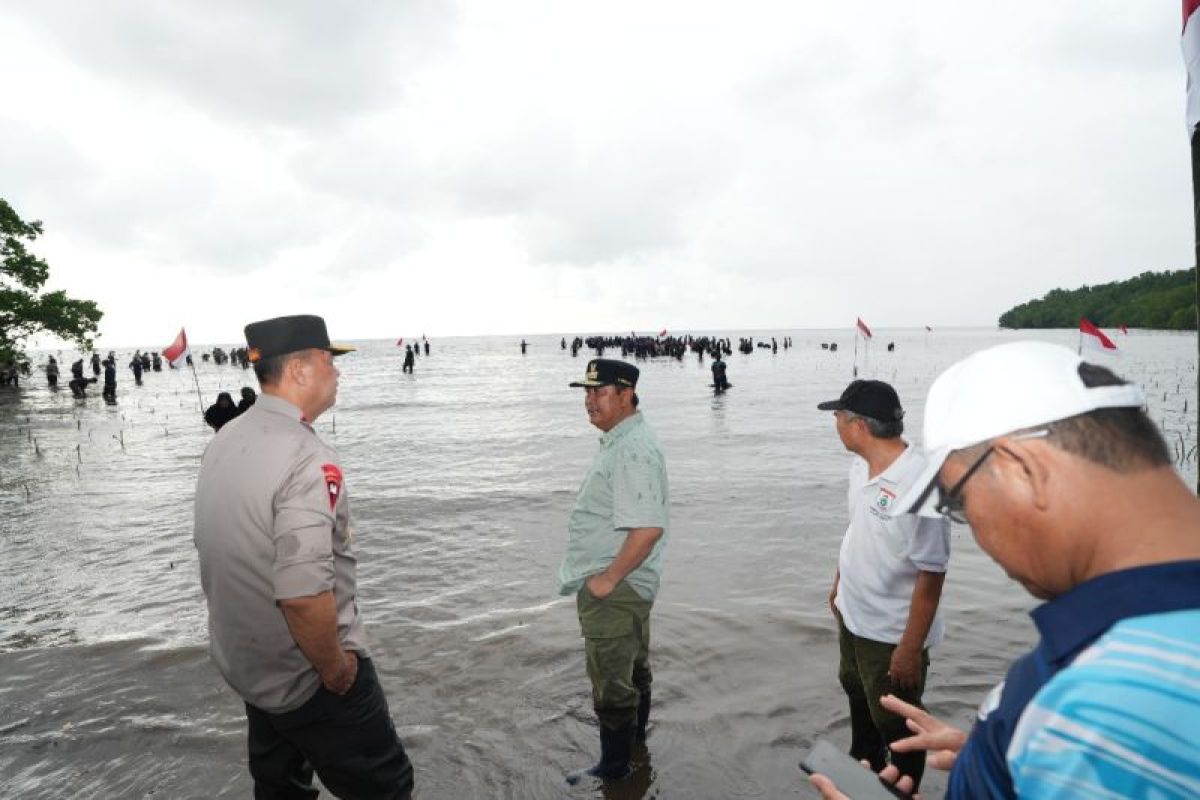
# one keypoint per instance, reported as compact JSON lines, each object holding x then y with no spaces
{"x":668,"y":346}
{"x":240,"y":356}
{"x":716,"y":348}
{"x":104,"y":369}
{"x":140,"y":364}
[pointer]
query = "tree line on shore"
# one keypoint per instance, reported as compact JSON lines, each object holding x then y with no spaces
{"x":1159,"y":300}
{"x":25,"y":310}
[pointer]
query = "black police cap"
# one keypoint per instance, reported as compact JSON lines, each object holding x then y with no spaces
{"x":609,"y":372}
{"x":874,"y":399}
{"x":275,"y":337}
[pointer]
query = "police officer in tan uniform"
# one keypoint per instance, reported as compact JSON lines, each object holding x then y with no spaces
{"x":272,"y":530}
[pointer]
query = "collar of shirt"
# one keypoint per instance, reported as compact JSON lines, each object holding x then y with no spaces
{"x":1072,"y":621}
{"x":277,"y":405}
{"x":893,"y":472}
{"x":620,"y":429}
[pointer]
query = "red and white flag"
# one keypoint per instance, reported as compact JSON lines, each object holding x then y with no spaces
{"x":862,"y":326}
{"x":1094,"y":338}
{"x":178,"y":352}
{"x":1191,"y":60}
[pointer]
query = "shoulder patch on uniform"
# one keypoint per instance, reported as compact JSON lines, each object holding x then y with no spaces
{"x":333,"y":483}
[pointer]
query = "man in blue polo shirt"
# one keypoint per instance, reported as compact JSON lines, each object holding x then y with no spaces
{"x":1068,"y":485}
{"x":615,"y":541}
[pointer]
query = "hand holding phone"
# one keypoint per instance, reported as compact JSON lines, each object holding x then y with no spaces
{"x":852,"y":778}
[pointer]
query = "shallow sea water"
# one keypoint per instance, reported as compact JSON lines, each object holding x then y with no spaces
{"x":461,"y":478}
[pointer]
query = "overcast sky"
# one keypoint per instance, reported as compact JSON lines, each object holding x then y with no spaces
{"x":482,"y":167}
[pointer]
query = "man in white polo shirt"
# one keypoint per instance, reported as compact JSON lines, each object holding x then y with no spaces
{"x":888,"y":586}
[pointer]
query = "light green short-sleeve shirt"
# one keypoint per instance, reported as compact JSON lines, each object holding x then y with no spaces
{"x":625,"y":488}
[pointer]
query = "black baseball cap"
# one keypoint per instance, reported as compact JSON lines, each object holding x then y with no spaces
{"x":275,"y":337}
{"x":609,"y":372}
{"x":874,"y":399}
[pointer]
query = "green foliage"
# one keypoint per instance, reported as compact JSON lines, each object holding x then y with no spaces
{"x":24,"y":311}
{"x":1161,"y":300}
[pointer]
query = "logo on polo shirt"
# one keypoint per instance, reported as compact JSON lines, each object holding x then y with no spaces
{"x":885,"y":499}
{"x":333,"y":483}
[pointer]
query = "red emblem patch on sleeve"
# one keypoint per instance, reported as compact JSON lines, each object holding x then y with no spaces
{"x":333,"y":483}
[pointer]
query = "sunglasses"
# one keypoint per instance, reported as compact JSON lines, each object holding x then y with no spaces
{"x":950,"y":501}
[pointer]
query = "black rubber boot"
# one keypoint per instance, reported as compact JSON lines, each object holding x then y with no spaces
{"x":643,"y":716}
{"x":615,"y":747}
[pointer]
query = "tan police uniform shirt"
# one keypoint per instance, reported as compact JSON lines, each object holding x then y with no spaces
{"x":272,"y":523}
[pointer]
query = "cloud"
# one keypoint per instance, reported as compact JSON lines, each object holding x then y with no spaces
{"x":574,"y":201}
{"x":306,"y":64}
{"x":39,"y":162}
{"x":484,"y":167}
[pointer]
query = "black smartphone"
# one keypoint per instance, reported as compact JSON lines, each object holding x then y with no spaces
{"x":852,"y":778}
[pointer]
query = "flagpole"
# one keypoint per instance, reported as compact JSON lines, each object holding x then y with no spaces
{"x":1196,"y":270}
{"x":855,"y":375}
{"x":197,"y":379}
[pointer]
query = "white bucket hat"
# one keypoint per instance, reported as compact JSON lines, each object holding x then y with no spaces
{"x":1000,"y":390}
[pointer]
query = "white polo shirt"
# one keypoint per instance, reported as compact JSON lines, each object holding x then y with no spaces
{"x":882,"y":553}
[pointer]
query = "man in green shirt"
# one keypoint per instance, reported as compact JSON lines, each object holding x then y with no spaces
{"x":615,"y":539}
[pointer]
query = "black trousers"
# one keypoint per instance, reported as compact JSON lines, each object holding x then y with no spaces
{"x":349,"y":740}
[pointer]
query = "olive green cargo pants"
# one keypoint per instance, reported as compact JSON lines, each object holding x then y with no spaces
{"x":863,"y":672}
{"x":616,"y":634}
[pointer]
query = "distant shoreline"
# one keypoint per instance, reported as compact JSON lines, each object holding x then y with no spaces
{"x":881,"y":331}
